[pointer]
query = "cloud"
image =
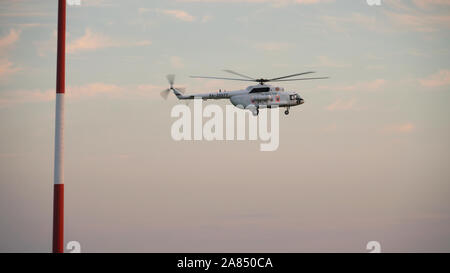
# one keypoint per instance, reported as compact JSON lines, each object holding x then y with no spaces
{"x":275,"y":3}
{"x":49,"y":45}
{"x":176,"y":62}
{"x":343,"y":24}
{"x":25,"y":14}
{"x":7,"y":67}
{"x":420,"y":22}
{"x":94,"y":3}
{"x":8,"y":98}
{"x":7,"y":41}
{"x":416,"y":16}
{"x":358,"y":86}
{"x":176,"y":13}
{"x":441,"y":78}
{"x":91,"y":90}
{"x":113,"y":90}
{"x":403,"y":128}
{"x":307,"y":2}
{"x":92,"y":41}
{"x":431,"y":3}
{"x":329,"y":128}
{"x":342,"y":105}
{"x":273,"y":46}
{"x":396,"y":16}
{"x":206,"y":18}
{"x":324,"y":61}
{"x":375,"y":67}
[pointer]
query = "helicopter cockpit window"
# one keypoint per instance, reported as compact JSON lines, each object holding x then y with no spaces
{"x":293,"y":97}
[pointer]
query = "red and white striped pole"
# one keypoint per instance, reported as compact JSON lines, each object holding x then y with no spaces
{"x":58,"y":191}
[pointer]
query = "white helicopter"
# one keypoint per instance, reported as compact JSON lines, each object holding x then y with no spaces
{"x":253,"y":97}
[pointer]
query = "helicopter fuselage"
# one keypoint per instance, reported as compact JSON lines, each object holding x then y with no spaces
{"x":254,"y":97}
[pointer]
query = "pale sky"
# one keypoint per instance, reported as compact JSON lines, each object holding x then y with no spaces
{"x":365,"y":158}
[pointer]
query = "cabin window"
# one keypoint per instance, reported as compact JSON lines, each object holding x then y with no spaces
{"x":260,"y":89}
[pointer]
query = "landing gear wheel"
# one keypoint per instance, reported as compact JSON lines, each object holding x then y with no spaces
{"x":286,"y":112}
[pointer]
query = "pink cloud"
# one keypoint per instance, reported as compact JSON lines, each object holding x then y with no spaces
{"x":403,"y":128}
{"x":179,"y":14}
{"x":93,"y":89}
{"x":273,"y":46}
{"x":343,"y":24}
{"x":175,"y":13}
{"x":441,"y":78}
{"x":330,"y":128}
{"x":8,"y":40}
{"x":89,"y":41}
{"x":92,"y":41}
{"x":7,"y":67}
{"x":419,"y":22}
{"x":429,"y":3}
{"x":358,"y":86}
{"x":324,"y":61}
{"x":176,"y":62}
{"x":274,"y":2}
{"x":25,"y":96}
{"x":8,"y":98}
{"x":342,"y":105}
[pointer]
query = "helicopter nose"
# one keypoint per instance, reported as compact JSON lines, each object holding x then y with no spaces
{"x":300,"y":101}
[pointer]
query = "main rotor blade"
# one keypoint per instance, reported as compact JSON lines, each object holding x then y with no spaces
{"x":293,"y":75}
{"x":290,"y":80}
{"x":238,"y":74}
{"x":219,"y":78}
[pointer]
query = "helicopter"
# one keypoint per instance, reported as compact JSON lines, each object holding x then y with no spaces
{"x":253,"y":97}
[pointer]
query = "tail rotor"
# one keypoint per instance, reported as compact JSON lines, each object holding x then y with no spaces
{"x":171,"y":80}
